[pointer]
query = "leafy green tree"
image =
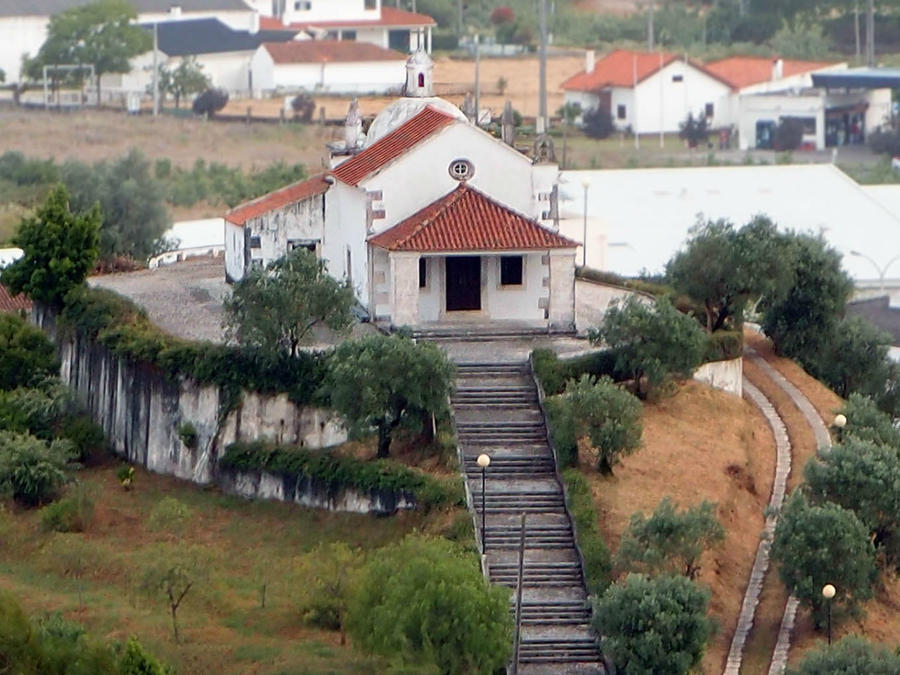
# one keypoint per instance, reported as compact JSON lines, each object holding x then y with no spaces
{"x":597,"y":123}
{"x":188,"y":78}
{"x":654,"y":625}
{"x":801,"y":41}
{"x":855,"y":359}
{"x":423,"y":601}
{"x":694,"y":130}
{"x":727,"y":268}
{"x":607,"y":415}
{"x":131,"y":200}
{"x":818,"y":545}
{"x":31,"y":471}
{"x":383,"y":381}
{"x":669,"y":542}
{"x":27,"y":357}
{"x":135,"y":660}
{"x":326,"y":579}
{"x":864,"y":478}
{"x":866,"y":422}
{"x":19,"y":645}
{"x":210,"y":102}
{"x":275,"y":309}
{"x":652,"y":344}
{"x":67,"y":650}
{"x":170,"y":574}
{"x":102,"y":33}
{"x":851,"y":656}
{"x":803,"y":320}
{"x":60,"y":248}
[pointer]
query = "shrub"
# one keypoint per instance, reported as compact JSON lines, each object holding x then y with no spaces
{"x":27,"y":356}
{"x":86,"y":436}
{"x":563,"y":433}
{"x":170,"y":515}
{"x":788,"y":134}
{"x":694,"y":130}
{"x":31,"y":471}
{"x":866,"y":422}
{"x":210,"y":102}
{"x":724,"y":345}
{"x":70,"y":514}
{"x":135,"y":660}
{"x":125,"y":476}
{"x":187,"y":433}
{"x":597,"y":123}
{"x":553,"y":373}
{"x":325,"y":580}
{"x":851,"y":656}
{"x":303,"y":106}
{"x":597,"y":562}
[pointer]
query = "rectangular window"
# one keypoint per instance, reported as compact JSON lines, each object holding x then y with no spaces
{"x":678,"y":78}
{"x":255,"y":242}
{"x":511,"y":270}
{"x":423,"y":273}
{"x":309,"y":245}
{"x":710,"y":109}
{"x":302,"y":5}
{"x":256,"y":262}
{"x":620,"y":111}
{"x":371,"y":4}
{"x":348,"y":35}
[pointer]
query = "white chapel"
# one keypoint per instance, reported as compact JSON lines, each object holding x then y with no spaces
{"x":433,"y":220}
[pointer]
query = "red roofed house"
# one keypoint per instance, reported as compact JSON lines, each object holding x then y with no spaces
{"x":432,"y":219}
{"x":361,"y":20}
{"x":648,"y":92}
{"x":333,"y":66}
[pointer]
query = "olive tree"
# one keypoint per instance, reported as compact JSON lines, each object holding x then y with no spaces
{"x":384,"y":381}
{"x":326,"y":578}
{"x":851,"y":656}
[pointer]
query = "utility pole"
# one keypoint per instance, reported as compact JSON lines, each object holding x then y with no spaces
{"x":459,"y":19}
{"x":870,"y":33}
{"x":542,"y":122}
{"x":477,"y":78}
{"x":856,"y":27}
{"x":155,"y":70}
{"x":650,"y":39}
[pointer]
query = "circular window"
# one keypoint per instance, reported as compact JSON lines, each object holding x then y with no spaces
{"x":461,"y":169}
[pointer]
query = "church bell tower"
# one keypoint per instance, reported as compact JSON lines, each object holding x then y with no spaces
{"x":419,"y":73}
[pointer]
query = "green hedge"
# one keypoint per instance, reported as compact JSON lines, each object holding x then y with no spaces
{"x":338,"y":473}
{"x":123,"y":328}
{"x":597,"y":561}
{"x":553,"y":372}
{"x":724,"y":345}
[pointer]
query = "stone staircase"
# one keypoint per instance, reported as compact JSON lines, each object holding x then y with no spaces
{"x":497,"y":413}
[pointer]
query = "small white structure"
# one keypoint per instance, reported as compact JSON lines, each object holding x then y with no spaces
{"x":331,"y":66}
{"x":431,"y":219}
{"x":355,"y":20}
{"x":649,"y":92}
{"x":191,"y":239}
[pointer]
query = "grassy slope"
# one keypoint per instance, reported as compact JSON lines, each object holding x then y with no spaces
{"x":700,"y":444}
{"x":224,"y":629}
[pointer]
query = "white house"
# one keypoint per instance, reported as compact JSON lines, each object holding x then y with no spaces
{"x":432,"y":220}
{"x":649,"y":92}
{"x":23,"y":23}
{"x":332,"y":66}
{"x":362,"y":20}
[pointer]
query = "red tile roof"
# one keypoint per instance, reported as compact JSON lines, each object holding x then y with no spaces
{"x":623,"y":68}
{"x":295,"y":192}
{"x":387,"y":149}
{"x":743,"y":71}
{"x":390,"y":16}
{"x":467,"y":220}
{"x":334,"y":51}
{"x":13,"y":303}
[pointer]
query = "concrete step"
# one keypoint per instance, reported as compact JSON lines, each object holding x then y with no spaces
{"x":558,"y":537}
{"x":484,"y":333}
{"x":552,"y":613}
{"x":559,"y":650}
{"x":520,"y":501}
{"x":499,"y":369}
{"x":514,"y":466}
{"x":536,"y":573}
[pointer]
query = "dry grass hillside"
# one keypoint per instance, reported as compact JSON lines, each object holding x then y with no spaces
{"x":700,"y":444}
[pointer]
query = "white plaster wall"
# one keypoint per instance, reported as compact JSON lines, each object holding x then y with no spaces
{"x":623,"y":96}
{"x":404,"y":288}
{"x":520,"y":303}
{"x":664,"y":104}
{"x":333,"y":10}
{"x":500,"y":172}
{"x":20,"y":35}
{"x":345,"y":229}
{"x":724,"y":375}
{"x":228,"y":70}
{"x":879,"y":110}
{"x":303,"y":221}
{"x":263,"y":68}
{"x":431,"y":297}
{"x":592,"y":299}
{"x":562,"y":289}
{"x":375,"y":36}
{"x":381,"y":282}
{"x":586,"y":100}
{"x":773,"y":107}
{"x":234,"y":251}
{"x":380,"y":77}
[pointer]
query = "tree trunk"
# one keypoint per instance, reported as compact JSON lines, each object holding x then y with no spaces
{"x":97,"y":75}
{"x":174,"y":609}
{"x":709,"y":316}
{"x":384,"y":440}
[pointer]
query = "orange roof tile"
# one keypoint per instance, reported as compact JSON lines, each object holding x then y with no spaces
{"x":336,"y":51}
{"x":295,"y":192}
{"x":13,"y":303}
{"x":467,"y":220}
{"x":387,"y":149}
{"x":625,"y":67}
{"x":390,"y":16}
{"x":743,"y":71}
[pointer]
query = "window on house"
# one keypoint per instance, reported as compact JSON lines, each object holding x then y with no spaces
{"x":710,"y":109}
{"x":255,"y":242}
{"x":371,"y":4}
{"x":620,"y":111}
{"x":294,"y":244}
{"x":423,"y":273}
{"x":256,"y":262}
{"x":678,"y":78}
{"x":302,"y":5}
{"x":421,"y":79}
{"x":348,"y":35}
{"x":511,"y":270}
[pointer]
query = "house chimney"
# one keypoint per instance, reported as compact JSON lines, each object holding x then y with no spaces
{"x":777,"y":69}
{"x":590,"y":58}
{"x":254,"y":22}
{"x":175,"y":11}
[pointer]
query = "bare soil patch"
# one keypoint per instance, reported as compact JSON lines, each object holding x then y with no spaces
{"x":700,"y":444}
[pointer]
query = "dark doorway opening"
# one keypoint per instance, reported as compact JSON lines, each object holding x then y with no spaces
{"x":463,"y":283}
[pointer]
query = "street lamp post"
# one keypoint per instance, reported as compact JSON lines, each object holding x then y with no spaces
{"x":840,"y":421}
{"x":585,"y":185}
{"x":882,"y":271}
{"x":828,"y":592}
{"x":484,"y":461}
